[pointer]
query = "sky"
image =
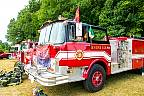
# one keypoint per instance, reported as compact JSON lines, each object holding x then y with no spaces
{"x":9,"y":9}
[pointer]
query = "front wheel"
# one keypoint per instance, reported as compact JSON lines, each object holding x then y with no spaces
{"x":96,"y":78}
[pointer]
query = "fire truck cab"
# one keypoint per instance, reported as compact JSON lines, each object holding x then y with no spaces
{"x":26,"y":45}
{"x":73,"y":54}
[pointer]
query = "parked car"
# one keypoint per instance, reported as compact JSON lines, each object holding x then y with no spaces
{"x":4,"y":55}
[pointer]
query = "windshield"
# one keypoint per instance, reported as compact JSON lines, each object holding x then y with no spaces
{"x":53,"y":33}
{"x":24,"y":46}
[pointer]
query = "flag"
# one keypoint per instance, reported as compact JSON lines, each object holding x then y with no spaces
{"x":91,"y":32}
{"x":77,"y":15}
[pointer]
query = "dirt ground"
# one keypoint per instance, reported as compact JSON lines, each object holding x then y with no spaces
{"x":123,"y":84}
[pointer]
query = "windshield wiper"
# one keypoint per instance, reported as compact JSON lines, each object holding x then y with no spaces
{"x":58,"y":43}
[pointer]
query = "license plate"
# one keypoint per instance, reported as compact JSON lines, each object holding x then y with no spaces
{"x":31,"y":78}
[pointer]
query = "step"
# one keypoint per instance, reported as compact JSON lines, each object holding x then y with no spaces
{"x":47,"y":78}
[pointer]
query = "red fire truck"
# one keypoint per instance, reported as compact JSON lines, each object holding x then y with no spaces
{"x":73,"y":54}
{"x":24,"y":48}
{"x":14,"y":50}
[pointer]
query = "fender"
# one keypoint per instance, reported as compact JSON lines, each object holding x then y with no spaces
{"x":101,"y":61}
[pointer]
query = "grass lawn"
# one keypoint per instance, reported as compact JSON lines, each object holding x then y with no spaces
{"x":122,"y":84}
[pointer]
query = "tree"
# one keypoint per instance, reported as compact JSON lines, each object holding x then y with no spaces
{"x":25,"y":27}
{"x":120,"y":17}
{"x":4,"y":47}
{"x":123,"y":18}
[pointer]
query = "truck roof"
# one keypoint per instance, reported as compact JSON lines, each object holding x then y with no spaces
{"x":50,"y":22}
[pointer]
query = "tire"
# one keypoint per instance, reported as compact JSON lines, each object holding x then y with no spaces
{"x":16,"y":64}
{"x":93,"y":85}
{"x":9,"y":56}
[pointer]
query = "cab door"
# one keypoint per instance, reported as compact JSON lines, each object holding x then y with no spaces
{"x":76,"y":47}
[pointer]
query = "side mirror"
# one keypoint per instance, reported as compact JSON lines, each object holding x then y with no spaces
{"x":78,"y":29}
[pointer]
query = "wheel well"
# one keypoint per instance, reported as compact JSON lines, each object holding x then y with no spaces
{"x":87,"y":69}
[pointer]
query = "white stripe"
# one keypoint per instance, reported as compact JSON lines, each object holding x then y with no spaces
{"x":97,"y":54}
{"x":87,"y":54}
{"x":63,"y":54}
{"x":137,"y":56}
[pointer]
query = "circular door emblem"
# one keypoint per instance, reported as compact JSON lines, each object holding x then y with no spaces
{"x":79,"y":54}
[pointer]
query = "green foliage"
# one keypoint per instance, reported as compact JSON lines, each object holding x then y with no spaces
{"x":120,"y":17}
{"x":4,"y":47}
{"x":123,"y":18}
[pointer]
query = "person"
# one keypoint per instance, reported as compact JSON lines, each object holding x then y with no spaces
{"x":79,"y":38}
{"x":38,"y":92}
{"x":85,"y":35}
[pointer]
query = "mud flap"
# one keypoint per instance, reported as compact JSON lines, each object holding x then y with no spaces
{"x":142,"y":70}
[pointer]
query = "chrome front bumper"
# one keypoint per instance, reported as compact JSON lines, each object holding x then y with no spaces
{"x":46,"y":78}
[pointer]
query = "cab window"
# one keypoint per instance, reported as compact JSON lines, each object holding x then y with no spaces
{"x":72,"y":33}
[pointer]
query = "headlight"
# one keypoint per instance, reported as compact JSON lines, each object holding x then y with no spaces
{"x":54,"y":64}
{"x":54,"y":61}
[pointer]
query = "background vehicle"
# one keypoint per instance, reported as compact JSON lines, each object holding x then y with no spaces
{"x":4,"y":55}
{"x":14,"y":50}
{"x":26,"y":48}
{"x":20,"y":50}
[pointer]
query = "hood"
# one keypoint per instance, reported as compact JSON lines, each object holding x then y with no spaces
{"x":46,"y":51}
{"x":42,"y":52}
